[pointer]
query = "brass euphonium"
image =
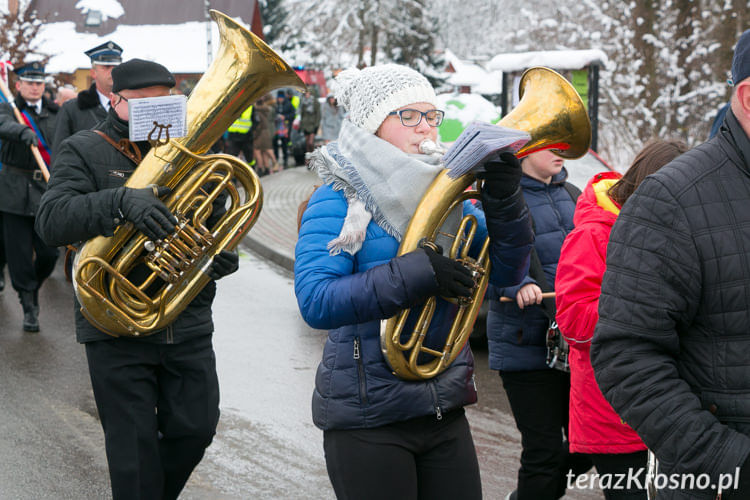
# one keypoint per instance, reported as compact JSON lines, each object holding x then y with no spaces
{"x":552,"y":112}
{"x":112,"y":298}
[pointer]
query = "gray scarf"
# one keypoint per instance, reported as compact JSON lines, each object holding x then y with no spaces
{"x":379,"y":181}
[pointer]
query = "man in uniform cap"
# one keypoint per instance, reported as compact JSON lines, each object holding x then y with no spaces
{"x":30,"y":261}
{"x":670,"y":350}
{"x":92,"y":104}
{"x":158,"y":395}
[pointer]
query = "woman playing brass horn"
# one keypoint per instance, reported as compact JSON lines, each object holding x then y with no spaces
{"x":385,"y":437}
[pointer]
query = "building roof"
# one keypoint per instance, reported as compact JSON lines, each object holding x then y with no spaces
{"x":468,"y":74}
{"x":554,"y":59}
{"x":171,"y":32}
{"x":140,"y":12}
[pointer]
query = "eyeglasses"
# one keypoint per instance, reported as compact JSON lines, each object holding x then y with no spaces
{"x":413,"y":117}
{"x":121,"y":99}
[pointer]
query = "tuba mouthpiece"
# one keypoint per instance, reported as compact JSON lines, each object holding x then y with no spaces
{"x":429,"y":147}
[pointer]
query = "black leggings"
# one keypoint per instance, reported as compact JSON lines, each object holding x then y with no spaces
{"x":421,"y":458}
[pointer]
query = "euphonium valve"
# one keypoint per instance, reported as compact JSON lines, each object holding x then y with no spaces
{"x":552,"y":113}
{"x":128,"y":285}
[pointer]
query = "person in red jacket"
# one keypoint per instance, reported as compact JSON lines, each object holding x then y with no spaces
{"x":594,"y":427}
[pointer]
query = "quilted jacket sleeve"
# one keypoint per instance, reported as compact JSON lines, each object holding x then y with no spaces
{"x":650,"y":293}
{"x":72,"y":209}
{"x":578,"y":281}
{"x":331,"y":293}
{"x":511,"y":238}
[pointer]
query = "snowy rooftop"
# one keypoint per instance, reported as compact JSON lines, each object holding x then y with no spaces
{"x":555,"y":59}
{"x":179,"y":47}
{"x":473,"y":75}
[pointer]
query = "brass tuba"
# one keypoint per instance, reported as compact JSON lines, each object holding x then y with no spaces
{"x":552,"y":112}
{"x":120,"y":302}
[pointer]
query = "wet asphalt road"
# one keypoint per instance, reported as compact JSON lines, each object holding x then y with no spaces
{"x":52,"y":447}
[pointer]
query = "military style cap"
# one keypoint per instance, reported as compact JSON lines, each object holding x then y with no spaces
{"x":138,"y":74}
{"x":32,"y":72}
{"x":106,"y":54}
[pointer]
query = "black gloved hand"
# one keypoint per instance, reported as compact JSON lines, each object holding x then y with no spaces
{"x":147,"y":212}
{"x":28,"y":137}
{"x":225,"y":263}
{"x":453,"y":278}
{"x":502,"y":175}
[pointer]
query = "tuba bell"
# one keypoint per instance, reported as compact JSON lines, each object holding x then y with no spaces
{"x":119,"y":301}
{"x":552,"y":112}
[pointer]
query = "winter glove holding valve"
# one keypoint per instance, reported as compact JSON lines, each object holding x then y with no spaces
{"x":453,"y":278}
{"x":28,"y":137}
{"x":146,"y":211}
{"x":502,"y":175}
{"x":224,"y":264}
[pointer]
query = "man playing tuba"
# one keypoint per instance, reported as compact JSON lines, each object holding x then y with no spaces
{"x":157,"y":396}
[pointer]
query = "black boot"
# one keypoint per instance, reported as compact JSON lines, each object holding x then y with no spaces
{"x":30,"y":312}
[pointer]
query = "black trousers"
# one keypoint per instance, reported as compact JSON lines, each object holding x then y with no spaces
{"x":159,"y":407}
{"x":621,"y":463}
{"x":421,"y":458}
{"x":2,"y":245}
{"x":281,"y":142}
{"x":539,"y":401}
{"x":30,"y":260}
{"x":237,"y":143}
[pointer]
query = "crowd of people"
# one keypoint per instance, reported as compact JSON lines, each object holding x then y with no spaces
{"x":645,"y":275}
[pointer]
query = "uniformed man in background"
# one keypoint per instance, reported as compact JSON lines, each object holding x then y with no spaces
{"x":91,"y":105}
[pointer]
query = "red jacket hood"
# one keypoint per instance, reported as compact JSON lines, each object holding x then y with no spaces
{"x":594,"y":205}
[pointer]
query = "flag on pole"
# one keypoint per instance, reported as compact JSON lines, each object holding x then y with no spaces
{"x":5,"y":66}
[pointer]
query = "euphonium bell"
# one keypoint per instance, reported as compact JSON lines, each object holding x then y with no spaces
{"x":552,"y":113}
{"x":119,"y":301}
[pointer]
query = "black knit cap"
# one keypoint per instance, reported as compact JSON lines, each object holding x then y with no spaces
{"x":138,"y":74}
{"x":741,"y":60}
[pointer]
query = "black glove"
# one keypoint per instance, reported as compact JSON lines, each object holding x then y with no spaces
{"x":502,"y":175}
{"x":453,"y":278}
{"x":147,"y":212}
{"x":28,"y":137}
{"x":224,"y":264}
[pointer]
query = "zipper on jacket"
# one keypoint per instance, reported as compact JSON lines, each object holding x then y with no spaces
{"x":170,"y":335}
{"x":438,"y":411}
{"x":360,"y":371}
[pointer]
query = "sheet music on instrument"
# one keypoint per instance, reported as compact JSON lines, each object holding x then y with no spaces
{"x":477,"y":142}
{"x":169,"y":113}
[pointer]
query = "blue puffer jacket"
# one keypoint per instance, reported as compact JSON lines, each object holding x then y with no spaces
{"x":517,"y":337}
{"x":354,"y":386}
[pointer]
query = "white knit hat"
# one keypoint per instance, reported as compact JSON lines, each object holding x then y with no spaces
{"x":371,"y":93}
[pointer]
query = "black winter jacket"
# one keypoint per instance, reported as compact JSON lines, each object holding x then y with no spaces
{"x":671,"y":351}
{"x":81,"y":113}
{"x":82,"y":201}
{"x":22,"y":184}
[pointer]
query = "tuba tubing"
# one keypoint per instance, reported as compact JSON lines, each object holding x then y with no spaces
{"x":244,"y":69}
{"x":553,"y":114}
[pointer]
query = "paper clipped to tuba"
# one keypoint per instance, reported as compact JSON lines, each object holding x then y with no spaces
{"x":157,"y":118}
{"x":477,"y":142}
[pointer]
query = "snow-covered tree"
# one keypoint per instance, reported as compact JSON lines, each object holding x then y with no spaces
{"x":414,"y":45}
{"x":19,"y":25}
{"x":341,"y":33}
{"x":274,"y":16}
